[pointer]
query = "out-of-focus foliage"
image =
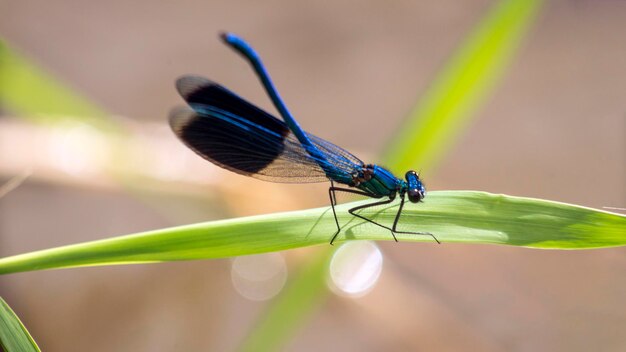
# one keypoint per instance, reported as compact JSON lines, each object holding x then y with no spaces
{"x":13,"y":335}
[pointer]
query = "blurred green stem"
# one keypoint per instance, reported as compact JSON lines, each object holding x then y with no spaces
{"x":34,"y":94}
{"x":460,"y":90}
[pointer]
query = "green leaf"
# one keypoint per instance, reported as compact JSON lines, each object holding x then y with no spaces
{"x":13,"y":335}
{"x":452,"y":216}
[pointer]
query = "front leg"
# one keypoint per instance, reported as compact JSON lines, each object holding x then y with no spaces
{"x":393,"y":229}
{"x":333,"y":202}
{"x":395,"y":223}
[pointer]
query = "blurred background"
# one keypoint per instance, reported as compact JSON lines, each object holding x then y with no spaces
{"x":554,"y":127}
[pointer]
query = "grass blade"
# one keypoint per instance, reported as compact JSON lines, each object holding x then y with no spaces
{"x":13,"y":335}
{"x":453,"y":216}
{"x":460,"y":89}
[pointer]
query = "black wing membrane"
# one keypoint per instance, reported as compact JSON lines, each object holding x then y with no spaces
{"x":238,"y":136}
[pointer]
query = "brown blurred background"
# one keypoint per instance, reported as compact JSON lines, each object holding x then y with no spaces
{"x":555,"y":128}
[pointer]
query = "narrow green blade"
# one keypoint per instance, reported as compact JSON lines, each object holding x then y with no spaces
{"x":464,"y":85}
{"x":452,"y":216}
{"x":13,"y":335}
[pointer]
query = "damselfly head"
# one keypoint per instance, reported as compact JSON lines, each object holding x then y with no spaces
{"x":415,"y":188}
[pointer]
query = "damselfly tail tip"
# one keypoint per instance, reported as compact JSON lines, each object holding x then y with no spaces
{"x":226,"y":36}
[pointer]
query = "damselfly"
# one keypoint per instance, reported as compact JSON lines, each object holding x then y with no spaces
{"x":234,"y":134}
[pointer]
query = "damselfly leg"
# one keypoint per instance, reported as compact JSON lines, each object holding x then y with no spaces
{"x":353,"y":211}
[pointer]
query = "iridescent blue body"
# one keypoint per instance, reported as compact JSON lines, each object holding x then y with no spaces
{"x":379,"y":181}
{"x":236,"y":135}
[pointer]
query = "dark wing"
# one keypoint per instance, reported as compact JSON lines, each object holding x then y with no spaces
{"x":236,"y":135}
